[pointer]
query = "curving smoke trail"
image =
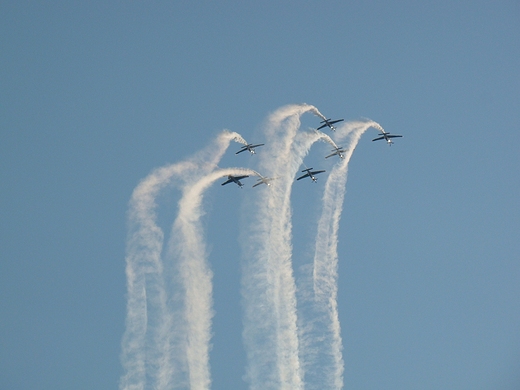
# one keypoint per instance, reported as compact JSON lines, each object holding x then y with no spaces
{"x":169,"y":311}
{"x":143,"y":351}
{"x":143,"y":269}
{"x":322,"y":345}
{"x":269,"y":290}
{"x":187,"y":249}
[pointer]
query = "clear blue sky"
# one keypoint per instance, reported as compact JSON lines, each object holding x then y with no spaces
{"x":93,"y":97}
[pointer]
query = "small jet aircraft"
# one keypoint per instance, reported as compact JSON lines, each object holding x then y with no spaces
{"x":264,"y":180}
{"x":337,"y":151}
{"x":249,"y":147}
{"x":329,"y":123}
{"x":310,"y":174}
{"x":387,"y":137}
{"x":235,"y":179}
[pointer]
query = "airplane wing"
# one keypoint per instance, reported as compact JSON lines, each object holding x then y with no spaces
{"x":257,"y":145}
{"x":394,"y":136}
{"x":316,"y":172}
{"x":306,"y":175}
{"x":332,"y":154}
{"x":240,"y":177}
{"x":227,"y":182}
{"x":244,"y":148}
{"x":336,"y":121}
{"x":378,"y":138}
{"x":322,"y":126}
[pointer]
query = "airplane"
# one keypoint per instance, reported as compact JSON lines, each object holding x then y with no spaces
{"x":234,"y":179}
{"x":386,"y":136}
{"x":310,"y":174}
{"x":264,"y":180}
{"x":337,"y":151}
{"x":249,"y":147}
{"x":329,"y":123}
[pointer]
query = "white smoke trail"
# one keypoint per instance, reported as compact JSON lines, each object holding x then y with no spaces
{"x":187,"y":248}
{"x":143,"y":263}
{"x":169,"y":320}
{"x":322,"y":341}
{"x":143,"y":352}
{"x":270,"y":325}
{"x":241,"y":140}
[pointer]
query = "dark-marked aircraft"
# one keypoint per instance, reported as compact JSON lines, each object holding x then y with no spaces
{"x":337,"y":151}
{"x":264,"y":180}
{"x":235,"y":179}
{"x":329,"y":123}
{"x":249,"y":147}
{"x":387,"y":137}
{"x":310,"y":174}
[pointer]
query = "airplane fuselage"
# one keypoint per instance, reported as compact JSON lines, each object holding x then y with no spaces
{"x":235,"y":179}
{"x":249,"y":147}
{"x":331,"y":126}
{"x":337,"y":152}
{"x":329,"y":123}
{"x":387,"y":137}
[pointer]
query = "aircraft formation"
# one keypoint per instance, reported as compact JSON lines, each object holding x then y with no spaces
{"x":337,"y":151}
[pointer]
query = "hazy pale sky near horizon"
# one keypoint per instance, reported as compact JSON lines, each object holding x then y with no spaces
{"x":94,"y":96}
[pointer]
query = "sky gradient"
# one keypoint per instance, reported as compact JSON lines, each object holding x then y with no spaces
{"x":94,"y":97}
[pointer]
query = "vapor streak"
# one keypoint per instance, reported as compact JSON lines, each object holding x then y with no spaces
{"x":187,"y":248}
{"x":270,"y":325}
{"x":170,"y":306}
{"x":146,"y":345}
{"x":324,"y":332}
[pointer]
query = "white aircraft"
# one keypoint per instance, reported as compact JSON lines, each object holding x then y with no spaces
{"x":337,"y":151}
{"x":310,"y":174}
{"x":235,"y":179}
{"x":387,"y":137}
{"x":249,"y":147}
{"x":329,"y":123}
{"x":264,"y":180}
